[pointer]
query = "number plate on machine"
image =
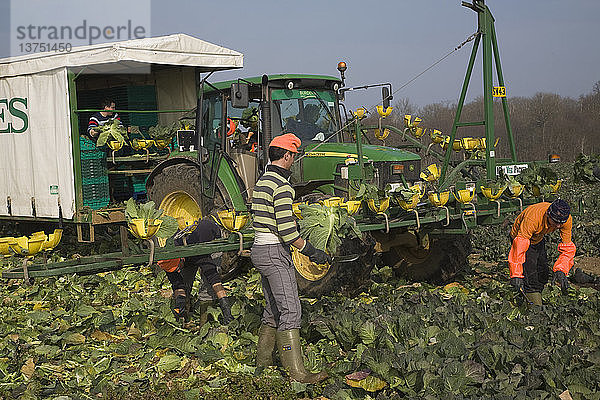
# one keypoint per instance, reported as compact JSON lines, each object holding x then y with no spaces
{"x":499,"y":91}
{"x":514,"y":169}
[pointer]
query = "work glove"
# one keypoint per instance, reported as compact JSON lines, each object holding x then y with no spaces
{"x":315,"y":255}
{"x":225,"y":306}
{"x":517,"y":284}
{"x":561,"y":280}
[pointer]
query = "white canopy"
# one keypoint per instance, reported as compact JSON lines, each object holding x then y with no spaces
{"x":178,"y":49}
{"x":36,"y":160}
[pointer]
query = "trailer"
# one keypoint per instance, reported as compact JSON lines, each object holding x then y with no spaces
{"x":50,"y":170}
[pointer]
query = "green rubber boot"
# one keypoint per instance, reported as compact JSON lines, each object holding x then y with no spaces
{"x":535,"y":298}
{"x":290,"y":352}
{"x":266,"y":345}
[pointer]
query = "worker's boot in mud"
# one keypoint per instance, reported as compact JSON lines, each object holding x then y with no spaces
{"x":266,"y":345}
{"x":180,"y":304}
{"x":290,"y":353}
{"x":225,"y":305}
{"x":535,"y":298}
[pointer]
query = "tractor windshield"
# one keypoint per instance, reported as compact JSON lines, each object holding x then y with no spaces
{"x":307,"y":113}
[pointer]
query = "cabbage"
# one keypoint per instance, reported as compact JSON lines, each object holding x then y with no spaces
{"x":114,"y":130}
{"x":325,"y":227}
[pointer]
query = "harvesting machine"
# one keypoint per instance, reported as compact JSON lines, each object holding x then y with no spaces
{"x":419,"y":223}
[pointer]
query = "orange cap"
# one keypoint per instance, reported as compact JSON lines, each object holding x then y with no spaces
{"x":288,"y":141}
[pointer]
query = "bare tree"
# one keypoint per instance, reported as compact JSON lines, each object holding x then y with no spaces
{"x":596,"y":89}
{"x":542,"y":107}
{"x":400,"y":109}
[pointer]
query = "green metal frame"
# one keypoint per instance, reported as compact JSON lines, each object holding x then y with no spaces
{"x":406,"y":137}
{"x":75,"y":142}
{"x":117,"y":260}
{"x":486,"y":33}
{"x":227,"y":177}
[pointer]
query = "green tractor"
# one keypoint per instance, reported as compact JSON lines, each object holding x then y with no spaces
{"x":423,"y":237}
{"x":333,"y":164}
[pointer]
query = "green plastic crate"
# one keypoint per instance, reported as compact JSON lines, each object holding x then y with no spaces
{"x":120,"y":183}
{"x":142,"y":98}
{"x":139,"y":183}
{"x":94,"y":168}
{"x":99,"y":180}
{"x":96,"y":204}
{"x":95,"y":191}
{"x":120,"y":187}
{"x":92,"y":155}
{"x":86,"y":144}
{"x":89,"y":151}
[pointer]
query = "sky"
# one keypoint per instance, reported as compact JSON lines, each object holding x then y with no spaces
{"x":545,"y":45}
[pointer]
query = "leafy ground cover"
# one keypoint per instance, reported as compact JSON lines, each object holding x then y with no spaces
{"x":112,"y":336}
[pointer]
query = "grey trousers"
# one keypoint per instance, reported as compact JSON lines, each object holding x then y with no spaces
{"x":282,"y":304}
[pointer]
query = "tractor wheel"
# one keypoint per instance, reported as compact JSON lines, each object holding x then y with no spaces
{"x":443,"y":260}
{"x":176,"y":190}
{"x":345,"y":277}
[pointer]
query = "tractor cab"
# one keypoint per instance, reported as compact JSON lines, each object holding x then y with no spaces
{"x":309,"y":114}
{"x":240,"y":118}
{"x":305,"y":105}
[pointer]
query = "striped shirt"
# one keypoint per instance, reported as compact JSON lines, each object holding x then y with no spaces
{"x":97,"y":120}
{"x":272,"y":198}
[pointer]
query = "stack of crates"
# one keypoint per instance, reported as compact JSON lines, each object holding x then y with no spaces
{"x":94,"y":175}
{"x":123,"y":187}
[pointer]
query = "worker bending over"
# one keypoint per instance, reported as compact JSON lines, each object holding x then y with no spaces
{"x":181,"y":272}
{"x":527,"y":258}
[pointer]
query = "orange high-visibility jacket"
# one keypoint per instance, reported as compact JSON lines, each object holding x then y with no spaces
{"x":170,"y":265}
{"x":529,"y":228}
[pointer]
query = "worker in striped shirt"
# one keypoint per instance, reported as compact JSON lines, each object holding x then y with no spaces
{"x":275,"y":230}
{"x":101,"y":118}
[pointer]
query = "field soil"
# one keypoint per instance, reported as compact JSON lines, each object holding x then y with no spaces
{"x":591,"y":265}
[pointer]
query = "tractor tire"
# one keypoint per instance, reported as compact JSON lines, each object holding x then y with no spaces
{"x":185,"y":179}
{"x":341,"y":277}
{"x":180,"y":185}
{"x":443,"y":261}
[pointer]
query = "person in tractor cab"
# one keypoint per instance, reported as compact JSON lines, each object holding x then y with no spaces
{"x":101,"y":118}
{"x":305,"y":124}
{"x":275,"y":230}
{"x":249,"y":121}
{"x":182,"y":272}
{"x":527,"y":258}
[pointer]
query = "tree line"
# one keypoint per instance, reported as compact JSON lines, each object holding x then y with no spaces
{"x":543,"y":124}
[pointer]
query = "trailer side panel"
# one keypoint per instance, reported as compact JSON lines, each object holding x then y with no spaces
{"x":36,"y":162}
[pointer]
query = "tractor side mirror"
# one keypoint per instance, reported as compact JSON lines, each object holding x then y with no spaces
{"x":239,"y":95}
{"x":386,"y":97}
